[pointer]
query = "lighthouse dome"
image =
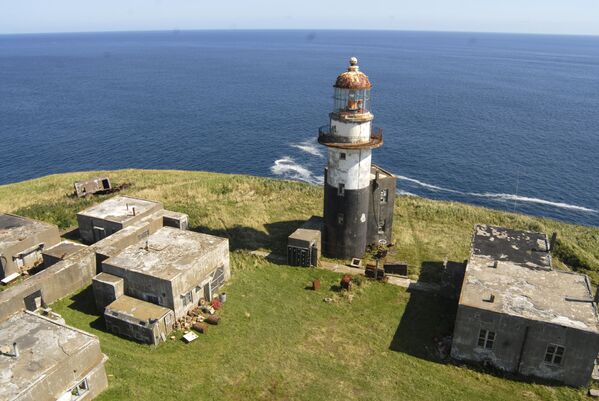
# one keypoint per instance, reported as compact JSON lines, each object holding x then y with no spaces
{"x":353,"y":78}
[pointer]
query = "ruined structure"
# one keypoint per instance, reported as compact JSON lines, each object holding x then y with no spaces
{"x":359,"y":197}
{"x":94,"y":186}
{"x":45,"y":360}
{"x":518,"y":314}
{"x":22,"y":242}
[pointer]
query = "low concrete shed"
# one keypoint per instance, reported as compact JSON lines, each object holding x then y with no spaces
{"x":101,"y":220}
{"x":304,"y":245}
{"x":519,"y":315}
{"x":139,"y":320}
{"x":172,"y":268}
{"x":53,"y":361}
{"x":22,"y":242}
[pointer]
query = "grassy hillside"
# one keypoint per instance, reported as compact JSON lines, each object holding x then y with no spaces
{"x":259,"y":213}
{"x":279,"y":340}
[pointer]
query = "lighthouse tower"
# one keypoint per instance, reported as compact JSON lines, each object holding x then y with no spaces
{"x":350,"y":138}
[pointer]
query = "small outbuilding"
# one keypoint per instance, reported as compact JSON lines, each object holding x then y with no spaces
{"x":93,"y":186}
{"x":22,"y":242}
{"x":304,"y":245}
{"x":518,"y":314}
{"x":139,"y":320}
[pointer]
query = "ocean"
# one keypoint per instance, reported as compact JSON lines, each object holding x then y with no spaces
{"x":499,"y":120}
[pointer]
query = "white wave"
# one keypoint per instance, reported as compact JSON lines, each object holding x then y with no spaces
{"x":401,"y":192}
{"x":518,"y":198}
{"x":499,"y":197}
{"x":309,"y":147}
{"x":429,"y":186}
{"x":288,"y":168}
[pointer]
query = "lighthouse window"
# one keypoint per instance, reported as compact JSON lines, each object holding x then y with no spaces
{"x":341,"y":190}
{"x":340,"y":219}
{"x":384,"y":196}
{"x":342,"y":156}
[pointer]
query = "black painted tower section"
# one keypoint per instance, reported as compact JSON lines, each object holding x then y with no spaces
{"x":345,"y":222}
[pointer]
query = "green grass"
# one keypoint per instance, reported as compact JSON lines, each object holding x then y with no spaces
{"x":280,"y":341}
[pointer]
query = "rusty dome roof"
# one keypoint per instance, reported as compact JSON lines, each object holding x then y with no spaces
{"x":353,"y":78}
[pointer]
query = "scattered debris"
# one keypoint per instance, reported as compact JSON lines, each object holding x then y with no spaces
{"x":316,"y":284}
{"x":216,"y":303}
{"x":213,"y":319}
{"x":189,"y":337}
{"x":222,"y":297}
{"x":247,"y":314}
{"x":346,"y":282}
{"x":593,"y":392}
{"x":328,"y":300}
{"x":200,"y":327}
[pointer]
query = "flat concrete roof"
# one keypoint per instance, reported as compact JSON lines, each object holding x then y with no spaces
{"x":504,"y":244}
{"x":64,"y":249}
{"x":14,"y":229}
{"x":168,"y":253}
{"x":526,"y":287}
{"x":43,"y":344}
{"x":136,"y":309}
{"x":310,"y":230}
{"x":119,"y":209}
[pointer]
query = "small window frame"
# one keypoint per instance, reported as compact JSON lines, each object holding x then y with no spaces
{"x":341,"y":189}
{"x":486,"y":339}
{"x":342,"y":156}
{"x":554,"y":354}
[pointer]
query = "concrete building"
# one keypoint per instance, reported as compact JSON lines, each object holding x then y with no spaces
{"x":518,"y":314}
{"x":172,"y":268}
{"x":352,"y":190}
{"x":139,"y":320}
{"x":100,"y":221}
{"x":304,"y":245}
{"x":51,"y":361}
{"x":22,"y":242}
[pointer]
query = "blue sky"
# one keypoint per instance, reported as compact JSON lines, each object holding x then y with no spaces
{"x":528,"y":16}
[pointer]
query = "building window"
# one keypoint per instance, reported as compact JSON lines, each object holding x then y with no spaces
{"x":384,"y":195}
{"x":554,"y":354}
{"x":486,"y":339}
{"x":79,"y":390}
{"x":342,"y":156}
{"x":341,"y":189}
{"x":340,"y":219}
{"x":187,"y":298}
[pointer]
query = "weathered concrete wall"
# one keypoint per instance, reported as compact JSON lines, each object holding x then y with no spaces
{"x":85,"y":363}
{"x":142,"y":286}
{"x":520,"y":345}
{"x":107,"y":291}
{"x":46,"y":238}
{"x":149,"y":334}
{"x":53,"y":283}
{"x":192,"y":278}
{"x":175,"y":219}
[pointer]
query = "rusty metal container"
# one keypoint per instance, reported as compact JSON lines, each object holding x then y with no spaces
{"x":316,"y":284}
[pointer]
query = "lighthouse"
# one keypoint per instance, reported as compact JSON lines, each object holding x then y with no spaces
{"x":358,"y":196}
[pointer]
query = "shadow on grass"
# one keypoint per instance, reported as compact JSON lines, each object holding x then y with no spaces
{"x":248,"y":238}
{"x":427,"y":317}
{"x":84,"y":302}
